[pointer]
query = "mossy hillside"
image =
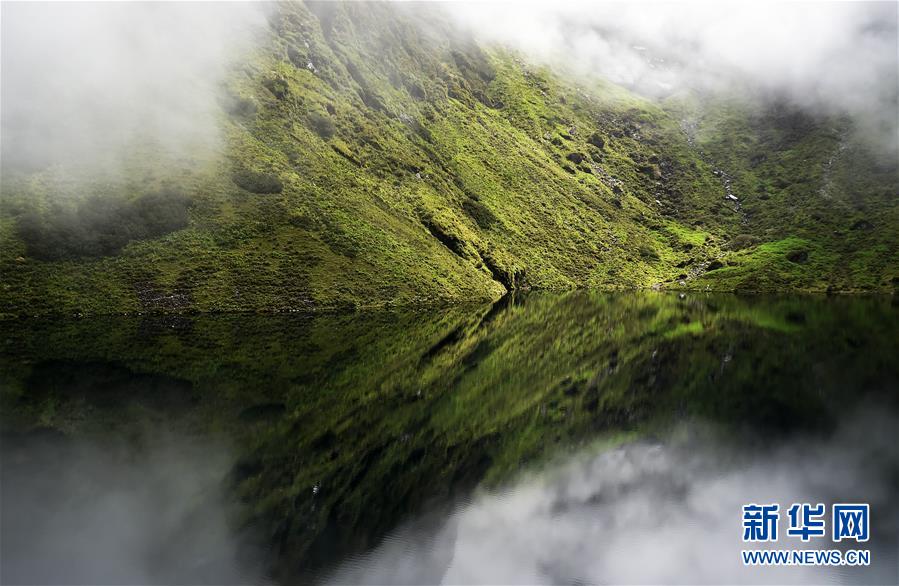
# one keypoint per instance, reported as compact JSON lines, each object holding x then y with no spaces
{"x":476,"y":179}
{"x":400,"y":167}
{"x":805,"y":183}
{"x":369,"y":159}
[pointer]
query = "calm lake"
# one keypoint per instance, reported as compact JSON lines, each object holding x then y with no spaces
{"x":578,"y":438}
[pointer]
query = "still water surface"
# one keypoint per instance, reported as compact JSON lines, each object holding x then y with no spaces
{"x":578,"y":438}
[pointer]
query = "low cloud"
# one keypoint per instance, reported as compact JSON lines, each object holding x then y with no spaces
{"x":82,"y":81}
{"x":833,"y":57}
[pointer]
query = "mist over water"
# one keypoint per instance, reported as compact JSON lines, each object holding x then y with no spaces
{"x":647,"y":511}
{"x":79,"y":511}
{"x":653,"y":512}
{"x":567,"y":439}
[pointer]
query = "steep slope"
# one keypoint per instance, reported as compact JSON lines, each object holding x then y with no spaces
{"x":373,"y":156}
{"x":817,"y":197}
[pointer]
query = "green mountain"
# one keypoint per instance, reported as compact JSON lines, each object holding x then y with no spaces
{"x":373,"y":156}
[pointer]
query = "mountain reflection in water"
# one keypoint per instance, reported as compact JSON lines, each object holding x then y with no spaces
{"x":470,"y":444}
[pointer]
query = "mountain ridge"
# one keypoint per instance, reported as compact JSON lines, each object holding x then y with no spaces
{"x":370,"y":160}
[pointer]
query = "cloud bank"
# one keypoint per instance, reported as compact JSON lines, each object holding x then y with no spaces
{"x":83,"y":80}
{"x":834,"y":57}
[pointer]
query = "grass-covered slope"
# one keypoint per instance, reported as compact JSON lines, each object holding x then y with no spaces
{"x":817,"y":198}
{"x":370,"y":158}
